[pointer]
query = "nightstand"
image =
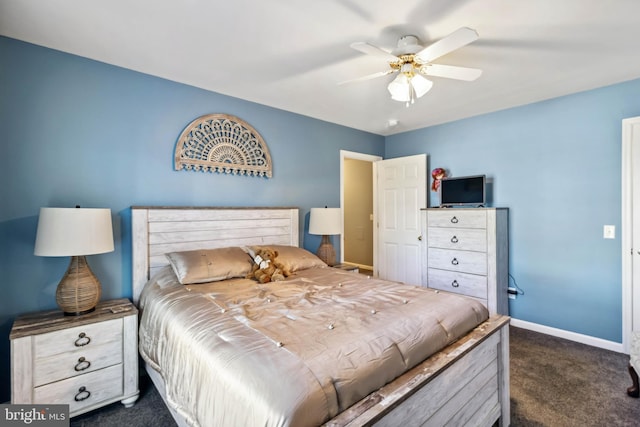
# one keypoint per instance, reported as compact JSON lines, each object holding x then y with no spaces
{"x":347,"y":267}
{"x":84,"y":361}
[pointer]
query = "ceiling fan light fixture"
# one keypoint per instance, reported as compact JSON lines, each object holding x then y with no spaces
{"x":421,"y":85}
{"x":408,"y":89}
{"x":400,"y":88}
{"x":412,"y":62}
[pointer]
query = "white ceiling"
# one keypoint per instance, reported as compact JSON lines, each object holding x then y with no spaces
{"x":290,"y":54}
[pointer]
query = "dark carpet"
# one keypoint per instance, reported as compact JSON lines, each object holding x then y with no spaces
{"x":554,"y":383}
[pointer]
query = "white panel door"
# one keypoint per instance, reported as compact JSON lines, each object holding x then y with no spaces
{"x":635,"y":289}
{"x":630,"y":229}
{"x":401,"y":193}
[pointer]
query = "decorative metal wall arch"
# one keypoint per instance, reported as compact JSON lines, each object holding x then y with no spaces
{"x":225,"y":144}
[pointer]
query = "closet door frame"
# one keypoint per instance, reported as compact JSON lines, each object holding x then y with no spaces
{"x":630,"y":234}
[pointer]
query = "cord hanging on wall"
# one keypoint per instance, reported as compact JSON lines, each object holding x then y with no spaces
{"x":222,"y":143}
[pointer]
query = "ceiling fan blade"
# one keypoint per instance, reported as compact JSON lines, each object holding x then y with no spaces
{"x":461,"y":37}
{"x":368,"y":77}
{"x":451,"y":72}
{"x":370,"y":49}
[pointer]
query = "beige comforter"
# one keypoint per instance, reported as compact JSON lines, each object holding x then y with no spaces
{"x":293,"y":353}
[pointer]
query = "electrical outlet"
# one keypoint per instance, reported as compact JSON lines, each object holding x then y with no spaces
{"x":609,"y":232}
{"x":513,"y":292}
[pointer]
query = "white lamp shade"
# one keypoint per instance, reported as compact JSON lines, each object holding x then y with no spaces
{"x":399,"y":88}
{"x":421,"y":85}
{"x":325,"y":221}
{"x":74,"y":232}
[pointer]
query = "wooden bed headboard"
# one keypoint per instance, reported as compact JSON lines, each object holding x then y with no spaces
{"x":159,"y":230}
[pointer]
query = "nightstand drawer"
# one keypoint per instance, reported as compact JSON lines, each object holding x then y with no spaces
{"x":79,"y":337}
{"x":462,"y":261}
{"x":84,"y":390}
{"x":78,"y":362}
{"x":460,"y":283}
{"x":468,"y":239}
{"x":459,"y":218}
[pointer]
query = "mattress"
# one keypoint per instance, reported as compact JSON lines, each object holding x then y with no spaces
{"x":291,"y":353}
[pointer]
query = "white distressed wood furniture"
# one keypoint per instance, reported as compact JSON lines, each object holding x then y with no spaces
{"x":467,"y":252}
{"x":84,"y":361}
{"x":467,"y":383}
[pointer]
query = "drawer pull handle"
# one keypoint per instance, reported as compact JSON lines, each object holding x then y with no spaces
{"x":454,"y":261}
{"x":82,"y":340}
{"x":82,"y":364}
{"x":454,"y":239}
{"x":454,"y":220}
{"x":83,"y":394}
{"x":455,"y":284}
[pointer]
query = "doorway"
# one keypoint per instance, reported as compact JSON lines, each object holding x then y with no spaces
{"x":398,"y":188}
{"x":357,"y":199}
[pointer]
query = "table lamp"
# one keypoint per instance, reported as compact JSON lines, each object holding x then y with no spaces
{"x":325,"y":221}
{"x":75,"y":232}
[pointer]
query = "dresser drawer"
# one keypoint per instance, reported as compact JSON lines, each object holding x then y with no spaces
{"x":84,"y":390}
{"x":461,"y":261}
{"x":71,"y":339}
{"x":77,"y":362}
{"x":461,"y":283}
{"x":468,"y":239}
{"x":461,"y":218}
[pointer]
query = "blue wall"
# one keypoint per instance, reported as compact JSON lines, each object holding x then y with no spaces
{"x":76,"y":131}
{"x":557,"y":166}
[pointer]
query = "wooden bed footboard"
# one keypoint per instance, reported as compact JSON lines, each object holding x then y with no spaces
{"x":466,"y":384}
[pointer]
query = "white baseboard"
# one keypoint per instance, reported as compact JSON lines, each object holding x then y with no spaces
{"x":568,"y":335}
{"x":360,"y":266}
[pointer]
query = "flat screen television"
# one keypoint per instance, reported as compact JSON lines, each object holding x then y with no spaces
{"x":462,"y":191}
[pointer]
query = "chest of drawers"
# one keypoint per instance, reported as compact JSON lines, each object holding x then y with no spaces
{"x":467,"y":253}
{"x":84,"y":361}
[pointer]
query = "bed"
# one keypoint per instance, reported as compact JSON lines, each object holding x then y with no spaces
{"x":466,"y":382}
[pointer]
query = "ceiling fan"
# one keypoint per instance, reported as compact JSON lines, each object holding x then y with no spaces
{"x":413,"y":62}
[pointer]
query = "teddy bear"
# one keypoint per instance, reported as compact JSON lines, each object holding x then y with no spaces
{"x":266,"y":268}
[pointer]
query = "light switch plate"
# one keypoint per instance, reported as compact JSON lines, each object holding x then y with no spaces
{"x":609,"y":231}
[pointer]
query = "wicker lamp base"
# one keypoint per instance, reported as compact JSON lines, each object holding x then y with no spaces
{"x":326,"y":252}
{"x":79,"y":290}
